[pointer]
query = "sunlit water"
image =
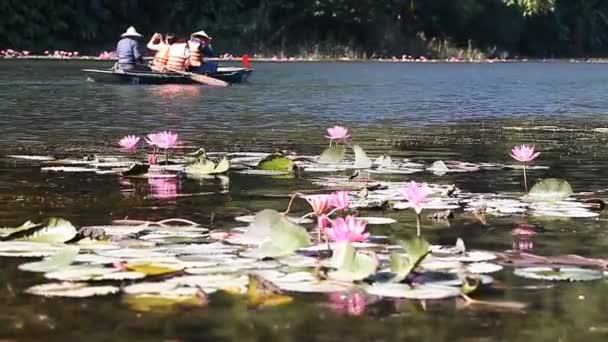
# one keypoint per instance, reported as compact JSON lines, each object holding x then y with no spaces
{"x":425,"y":112}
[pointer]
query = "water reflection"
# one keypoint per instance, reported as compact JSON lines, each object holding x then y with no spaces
{"x":163,"y":187}
{"x":171,"y":91}
{"x":348,"y":303}
{"x":522,"y":237}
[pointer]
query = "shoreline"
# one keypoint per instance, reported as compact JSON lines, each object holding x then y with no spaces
{"x":343,"y":59}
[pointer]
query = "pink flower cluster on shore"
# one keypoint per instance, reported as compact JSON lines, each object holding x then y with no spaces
{"x":14,"y":53}
{"x":108,"y":55}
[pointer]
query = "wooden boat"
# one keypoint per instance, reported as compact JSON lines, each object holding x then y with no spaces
{"x":228,"y":74}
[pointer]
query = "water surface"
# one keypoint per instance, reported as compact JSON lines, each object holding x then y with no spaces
{"x":426,"y":112}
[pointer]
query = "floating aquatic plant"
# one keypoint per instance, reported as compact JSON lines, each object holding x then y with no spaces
{"x":402,"y":265}
{"x":524,"y":154}
{"x":337,"y":133}
{"x":349,"y":229}
{"x":164,"y":140}
{"x":416,"y":195}
{"x":129,"y":142}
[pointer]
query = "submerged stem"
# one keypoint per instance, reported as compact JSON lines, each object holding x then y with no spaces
{"x":418,"y":224}
{"x":525,"y":179}
{"x":293,"y":197}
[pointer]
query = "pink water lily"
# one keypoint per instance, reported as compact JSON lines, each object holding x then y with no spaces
{"x":347,"y":229}
{"x":524,"y":153}
{"x":337,"y":133}
{"x":164,"y":140}
{"x":339,"y":200}
{"x":128,"y":142}
{"x":416,"y":195}
{"x":319,"y":203}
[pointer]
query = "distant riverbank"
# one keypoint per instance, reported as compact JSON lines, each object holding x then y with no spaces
{"x":343,"y":59}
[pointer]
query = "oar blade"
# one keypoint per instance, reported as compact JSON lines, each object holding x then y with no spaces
{"x":208,"y":80}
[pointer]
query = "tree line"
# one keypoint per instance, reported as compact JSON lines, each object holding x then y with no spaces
{"x":358,"y":28}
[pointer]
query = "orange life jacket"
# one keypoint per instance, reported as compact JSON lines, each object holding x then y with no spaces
{"x":195,"y":54}
{"x":177,"y":57}
{"x":161,"y":58}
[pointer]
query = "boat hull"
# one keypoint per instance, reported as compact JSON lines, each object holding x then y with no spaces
{"x":228,"y":74}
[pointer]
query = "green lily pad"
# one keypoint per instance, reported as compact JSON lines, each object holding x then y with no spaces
{"x":352,"y":265}
{"x":163,"y":303}
{"x":278,"y":236}
{"x":417,"y":249}
{"x":152,"y":267}
{"x":62,"y":258}
{"x":207,"y":167}
{"x":56,"y":230}
{"x":439,"y":168}
{"x":333,"y":155}
{"x":361,"y":159}
{"x":559,"y":273}
{"x":6,"y":232}
{"x":549,"y":190}
{"x":276,"y":162}
{"x":79,"y":273}
{"x":421,"y":292}
{"x":69,"y":289}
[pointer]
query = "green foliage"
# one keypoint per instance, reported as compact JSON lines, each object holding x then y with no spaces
{"x":417,"y":249}
{"x":435,"y":28}
{"x":283,"y":236}
{"x":276,"y":162}
{"x":352,"y":265}
{"x":549,"y":190}
{"x":333,"y":154}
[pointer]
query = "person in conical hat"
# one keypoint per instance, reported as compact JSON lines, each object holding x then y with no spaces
{"x":127,"y":49}
{"x":200,"y":47}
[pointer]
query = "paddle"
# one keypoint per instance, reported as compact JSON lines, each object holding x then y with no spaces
{"x":202,"y":79}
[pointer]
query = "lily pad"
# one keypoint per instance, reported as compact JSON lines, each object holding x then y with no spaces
{"x":559,"y":273}
{"x":361,"y":159}
{"x":56,"y":230}
{"x":421,"y":292}
{"x":276,"y":162}
{"x":62,"y":258}
{"x":378,"y":220}
{"x":549,"y":190}
{"x":69,"y":289}
{"x":439,"y":168}
{"x":332,"y":155}
{"x":152,"y":267}
{"x":417,"y":249}
{"x":352,"y":265}
{"x":79,"y":273}
{"x":207,"y":167}
{"x":483,"y":267}
{"x":280,"y":236}
{"x":27,"y":249}
{"x":165,"y":303}
{"x":6,"y":232}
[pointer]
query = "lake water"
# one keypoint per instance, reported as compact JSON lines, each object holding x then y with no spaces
{"x":427,"y":112}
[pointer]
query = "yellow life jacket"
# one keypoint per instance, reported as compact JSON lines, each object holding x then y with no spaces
{"x":177,"y":57}
{"x":195,"y":55}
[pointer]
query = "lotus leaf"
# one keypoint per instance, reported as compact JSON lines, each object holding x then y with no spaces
{"x":276,"y":162}
{"x":333,"y":155}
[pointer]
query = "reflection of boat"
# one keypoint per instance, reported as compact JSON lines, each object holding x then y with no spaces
{"x":228,"y":74}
